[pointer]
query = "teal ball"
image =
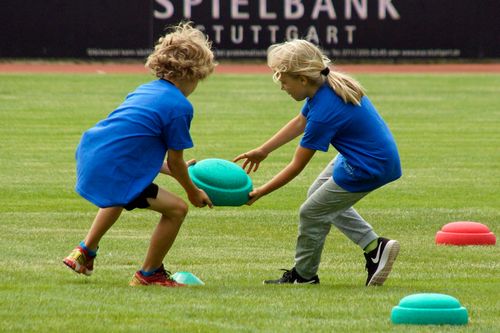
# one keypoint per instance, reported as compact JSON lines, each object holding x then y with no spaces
{"x":225,"y":182}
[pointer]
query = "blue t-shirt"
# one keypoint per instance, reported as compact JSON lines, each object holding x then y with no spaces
{"x":368,"y":156}
{"x":122,"y":154}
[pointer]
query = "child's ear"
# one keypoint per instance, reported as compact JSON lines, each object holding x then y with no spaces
{"x":303,"y":80}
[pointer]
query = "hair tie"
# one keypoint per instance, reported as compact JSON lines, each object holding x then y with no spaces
{"x":325,"y":71}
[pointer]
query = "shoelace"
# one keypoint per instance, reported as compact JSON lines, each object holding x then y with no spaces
{"x":75,"y":254}
{"x":287,"y":275}
{"x":79,"y":257}
{"x":165,"y":273}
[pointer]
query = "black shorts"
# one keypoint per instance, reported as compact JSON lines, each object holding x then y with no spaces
{"x":142,"y":200}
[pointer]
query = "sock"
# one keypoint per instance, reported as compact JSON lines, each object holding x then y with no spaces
{"x":150,"y":273}
{"x":89,"y":251}
{"x":372,"y":246}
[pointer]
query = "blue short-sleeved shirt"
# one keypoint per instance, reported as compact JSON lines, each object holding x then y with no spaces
{"x":122,"y":154}
{"x":368,"y":156}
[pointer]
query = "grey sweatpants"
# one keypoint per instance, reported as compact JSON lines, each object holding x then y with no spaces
{"x":327,"y":204}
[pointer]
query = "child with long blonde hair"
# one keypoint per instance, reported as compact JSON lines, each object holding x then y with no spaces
{"x":338,"y":113}
{"x":118,"y":158}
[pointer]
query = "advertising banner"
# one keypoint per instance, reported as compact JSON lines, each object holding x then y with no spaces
{"x":350,"y":29}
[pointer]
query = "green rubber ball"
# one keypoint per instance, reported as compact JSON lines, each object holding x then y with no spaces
{"x":225,"y":182}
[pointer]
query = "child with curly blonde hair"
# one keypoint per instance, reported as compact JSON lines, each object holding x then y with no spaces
{"x":336,"y":113}
{"x":118,"y":158}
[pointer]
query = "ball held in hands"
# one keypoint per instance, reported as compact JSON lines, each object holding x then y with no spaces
{"x":225,"y":182}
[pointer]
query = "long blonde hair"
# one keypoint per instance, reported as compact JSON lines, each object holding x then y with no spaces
{"x":185,"y":53}
{"x":300,"y":57}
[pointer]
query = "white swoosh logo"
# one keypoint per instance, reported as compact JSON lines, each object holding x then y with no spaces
{"x":307,"y":282}
{"x":377,"y":257}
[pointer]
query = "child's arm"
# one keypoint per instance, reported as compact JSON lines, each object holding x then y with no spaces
{"x":166,"y":170}
{"x":178,"y":170}
{"x":300,"y":159}
{"x":287,"y":133}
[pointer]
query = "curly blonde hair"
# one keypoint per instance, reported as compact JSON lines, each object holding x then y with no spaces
{"x":300,"y":57}
{"x":183,"y":53}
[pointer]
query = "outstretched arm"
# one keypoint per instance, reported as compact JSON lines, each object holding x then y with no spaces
{"x":301,"y":158}
{"x":287,"y":133}
{"x":178,"y":170}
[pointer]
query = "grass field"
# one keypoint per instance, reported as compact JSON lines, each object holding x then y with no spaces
{"x":447,"y":129}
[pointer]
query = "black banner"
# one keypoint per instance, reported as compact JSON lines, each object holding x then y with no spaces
{"x":75,"y":28}
{"x":349,"y":29}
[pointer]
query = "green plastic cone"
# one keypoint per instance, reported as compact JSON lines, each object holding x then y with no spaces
{"x":187,"y":278}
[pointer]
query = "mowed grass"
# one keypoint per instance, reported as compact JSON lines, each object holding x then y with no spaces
{"x":448,"y":131}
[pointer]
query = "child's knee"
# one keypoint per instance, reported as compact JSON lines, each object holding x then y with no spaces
{"x":180,"y":210}
{"x":313,"y":217}
{"x":175,"y":211}
{"x":307,"y":212}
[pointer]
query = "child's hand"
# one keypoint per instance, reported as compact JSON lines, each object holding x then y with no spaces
{"x":200,"y":199}
{"x":254,"y":196}
{"x":252,"y":159}
{"x":190,"y":162}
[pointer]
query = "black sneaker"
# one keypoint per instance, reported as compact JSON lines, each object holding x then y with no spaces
{"x":379,"y":261}
{"x":291,"y":276}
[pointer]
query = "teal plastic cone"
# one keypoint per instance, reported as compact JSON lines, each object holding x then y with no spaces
{"x":187,"y":278}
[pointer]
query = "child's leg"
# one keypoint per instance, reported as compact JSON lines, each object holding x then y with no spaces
{"x":329,"y":204}
{"x":104,"y":219}
{"x":81,"y":259}
{"x":173,"y":210}
{"x":350,"y":216}
{"x":322,"y":178}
